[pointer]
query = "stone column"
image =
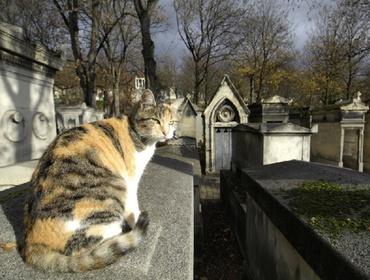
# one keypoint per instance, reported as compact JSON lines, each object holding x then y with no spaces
{"x":341,"y":147}
{"x":361,"y":150}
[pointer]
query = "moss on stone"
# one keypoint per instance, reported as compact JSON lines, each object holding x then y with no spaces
{"x":331,"y":208}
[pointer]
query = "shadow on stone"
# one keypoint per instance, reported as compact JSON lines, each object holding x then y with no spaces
{"x":12,"y":202}
{"x":174,"y":164}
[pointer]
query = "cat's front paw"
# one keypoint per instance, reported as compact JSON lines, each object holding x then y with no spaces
{"x":143,"y":222}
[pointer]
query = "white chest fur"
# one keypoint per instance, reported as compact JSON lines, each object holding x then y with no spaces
{"x":141,"y":160}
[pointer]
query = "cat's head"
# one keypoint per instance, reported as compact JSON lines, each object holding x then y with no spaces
{"x":154,"y":122}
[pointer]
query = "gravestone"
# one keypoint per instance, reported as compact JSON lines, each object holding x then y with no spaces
{"x":226,"y":110}
{"x":27,"y":116}
{"x":72,"y":116}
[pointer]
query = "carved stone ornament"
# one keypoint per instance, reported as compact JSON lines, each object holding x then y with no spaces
{"x":41,"y":125}
{"x":356,"y":105}
{"x":226,"y":114}
{"x":14,"y":126}
{"x":277,"y":99}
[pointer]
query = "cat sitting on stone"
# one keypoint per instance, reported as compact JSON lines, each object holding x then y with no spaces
{"x":83,"y":212}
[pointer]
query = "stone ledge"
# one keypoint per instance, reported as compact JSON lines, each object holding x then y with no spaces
{"x":16,"y":174}
{"x":166,"y":192}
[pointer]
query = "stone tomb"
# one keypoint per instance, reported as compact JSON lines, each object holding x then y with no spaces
{"x":271,"y":137}
{"x":272,"y":110}
{"x":340,"y":139}
{"x":190,"y":120}
{"x":225,"y":111}
{"x":27,"y":116}
{"x":72,"y":116}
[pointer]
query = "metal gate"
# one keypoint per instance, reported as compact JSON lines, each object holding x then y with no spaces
{"x":223,"y":148}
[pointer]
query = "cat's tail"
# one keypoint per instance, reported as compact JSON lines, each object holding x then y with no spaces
{"x":104,"y":254}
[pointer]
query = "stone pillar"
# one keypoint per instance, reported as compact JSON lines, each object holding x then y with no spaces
{"x":27,"y":115}
{"x":361,"y":150}
{"x":341,"y":147}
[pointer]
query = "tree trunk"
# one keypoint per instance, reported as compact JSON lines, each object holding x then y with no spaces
{"x":116,"y":110}
{"x":251,"y":88}
{"x":151,"y":78}
{"x":196,"y":83}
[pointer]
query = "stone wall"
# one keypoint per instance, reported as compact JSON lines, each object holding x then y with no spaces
{"x":325,"y":145}
{"x":278,"y":244}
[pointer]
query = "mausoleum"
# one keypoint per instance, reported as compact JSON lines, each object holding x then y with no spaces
{"x":225,"y":111}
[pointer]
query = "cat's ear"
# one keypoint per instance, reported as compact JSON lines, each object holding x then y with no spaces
{"x":148,"y":99}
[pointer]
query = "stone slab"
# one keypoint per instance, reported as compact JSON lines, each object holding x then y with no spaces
{"x":166,"y":192}
{"x":354,"y":247}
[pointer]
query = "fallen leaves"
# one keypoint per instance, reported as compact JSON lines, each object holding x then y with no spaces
{"x":8,"y":246}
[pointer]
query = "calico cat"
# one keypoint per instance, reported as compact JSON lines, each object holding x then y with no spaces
{"x":83,"y":212}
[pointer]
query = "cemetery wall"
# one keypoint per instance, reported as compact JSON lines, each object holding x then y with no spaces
{"x":325,"y":145}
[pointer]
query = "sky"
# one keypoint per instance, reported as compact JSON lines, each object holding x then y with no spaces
{"x":169,"y":42}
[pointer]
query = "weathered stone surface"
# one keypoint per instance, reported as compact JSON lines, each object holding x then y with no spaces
{"x":265,"y":143}
{"x":26,"y":90}
{"x":166,"y":192}
{"x":350,"y":252}
{"x":16,"y":174}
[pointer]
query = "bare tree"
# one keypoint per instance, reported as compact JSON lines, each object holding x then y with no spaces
{"x":266,"y":45}
{"x":208,"y":28}
{"x":45,"y":28}
{"x":82,"y":19}
{"x":324,"y":57}
{"x":145,"y":10}
{"x":354,"y":40}
{"x":119,"y":40}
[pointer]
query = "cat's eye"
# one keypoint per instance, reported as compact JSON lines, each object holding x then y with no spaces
{"x":156,"y":120}
{"x":172,"y":122}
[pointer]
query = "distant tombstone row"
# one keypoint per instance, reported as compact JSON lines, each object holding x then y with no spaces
{"x":71,"y":116}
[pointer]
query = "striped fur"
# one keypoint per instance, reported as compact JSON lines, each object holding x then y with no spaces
{"x":83,"y":212}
